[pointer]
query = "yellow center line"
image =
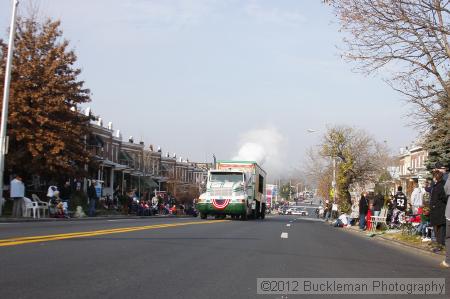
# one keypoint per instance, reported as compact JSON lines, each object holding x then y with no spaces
{"x":46,"y":238}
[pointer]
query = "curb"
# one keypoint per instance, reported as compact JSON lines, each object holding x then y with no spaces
{"x":26,"y":220}
{"x":407,"y":245}
{"x":380,"y":238}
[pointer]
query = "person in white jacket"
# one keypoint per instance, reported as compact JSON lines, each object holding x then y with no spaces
{"x":17,"y":195}
{"x":417,"y":197}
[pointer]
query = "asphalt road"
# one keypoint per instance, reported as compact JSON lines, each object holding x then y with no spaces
{"x":191,"y":258}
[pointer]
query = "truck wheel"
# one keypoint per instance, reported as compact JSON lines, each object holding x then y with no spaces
{"x":257,"y":210}
{"x":203,"y":215}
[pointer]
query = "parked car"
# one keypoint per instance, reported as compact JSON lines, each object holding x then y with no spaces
{"x":299,"y":212}
{"x":284,"y":211}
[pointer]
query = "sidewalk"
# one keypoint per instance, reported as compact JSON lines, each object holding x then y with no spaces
{"x":396,"y":237}
{"x":103,"y":217}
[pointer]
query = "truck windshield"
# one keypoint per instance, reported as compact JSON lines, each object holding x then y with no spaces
{"x":228,"y":177}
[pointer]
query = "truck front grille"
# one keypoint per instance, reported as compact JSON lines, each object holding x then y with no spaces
{"x":221,"y":191}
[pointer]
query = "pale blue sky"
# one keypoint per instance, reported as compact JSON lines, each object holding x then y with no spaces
{"x":193,"y":76}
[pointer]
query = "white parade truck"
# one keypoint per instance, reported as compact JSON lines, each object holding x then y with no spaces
{"x":234,"y":188}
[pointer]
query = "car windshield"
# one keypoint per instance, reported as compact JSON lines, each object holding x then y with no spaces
{"x":225,"y":177}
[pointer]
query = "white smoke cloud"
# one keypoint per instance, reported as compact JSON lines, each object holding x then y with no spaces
{"x":265,"y":147}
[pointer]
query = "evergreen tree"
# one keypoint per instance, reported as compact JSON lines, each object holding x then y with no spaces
{"x":437,"y":140}
{"x":46,"y":133}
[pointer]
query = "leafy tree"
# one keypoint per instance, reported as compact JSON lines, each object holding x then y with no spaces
{"x":383,"y":183}
{"x":46,"y":133}
{"x":286,"y":191}
{"x":359,"y":159}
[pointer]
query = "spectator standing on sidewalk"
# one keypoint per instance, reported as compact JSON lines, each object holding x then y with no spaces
{"x":400,"y":205}
{"x":17,"y":195}
{"x":378,"y":203}
{"x":65,"y":194}
{"x":92,"y":195}
{"x":417,"y":197}
{"x":327,"y":210}
{"x":363,"y":209}
{"x":354,"y":215}
{"x":446,"y":263}
{"x":370,"y":198}
{"x":437,"y":209}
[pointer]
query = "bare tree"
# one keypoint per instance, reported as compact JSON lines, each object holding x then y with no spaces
{"x":318,"y":171}
{"x":360,"y":159}
{"x":407,"y":38}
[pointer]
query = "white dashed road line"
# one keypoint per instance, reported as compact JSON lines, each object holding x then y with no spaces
{"x":288,"y":225}
{"x":284,"y":235}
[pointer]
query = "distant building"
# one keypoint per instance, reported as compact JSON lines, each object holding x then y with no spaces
{"x":411,"y":168}
{"x":128,"y":165}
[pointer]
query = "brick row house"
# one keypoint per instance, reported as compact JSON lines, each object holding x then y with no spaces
{"x":411,"y":168}
{"x":124,"y":165}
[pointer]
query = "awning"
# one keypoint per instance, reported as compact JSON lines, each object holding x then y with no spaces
{"x":123,"y":155}
{"x":119,"y":167}
{"x":147,"y":182}
{"x":137,"y":173}
{"x":107,"y":163}
{"x":116,"y":166}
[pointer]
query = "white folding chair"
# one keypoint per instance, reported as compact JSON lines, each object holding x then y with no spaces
{"x":381,"y":219}
{"x":41,"y":204}
{"x":29,"y":206}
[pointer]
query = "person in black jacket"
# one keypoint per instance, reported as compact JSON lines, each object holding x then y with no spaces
{"x":438,"y":203}
{"x":363,"y":209}
{"x":400,"y":206}
{"x":66,"y":193}
{"x":378,"y":204}
{"x":92,"y":194}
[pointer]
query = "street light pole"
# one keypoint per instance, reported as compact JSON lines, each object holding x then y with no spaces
{"x":4,"y":121}
{"x":290,"y":186}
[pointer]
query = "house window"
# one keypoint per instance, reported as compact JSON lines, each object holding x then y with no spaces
{"x":107,"y":176}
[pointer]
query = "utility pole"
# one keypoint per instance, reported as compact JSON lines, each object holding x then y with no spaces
{"x":4,"y":121}
{"x":334,"y":180}
{"x":278,"y":190}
